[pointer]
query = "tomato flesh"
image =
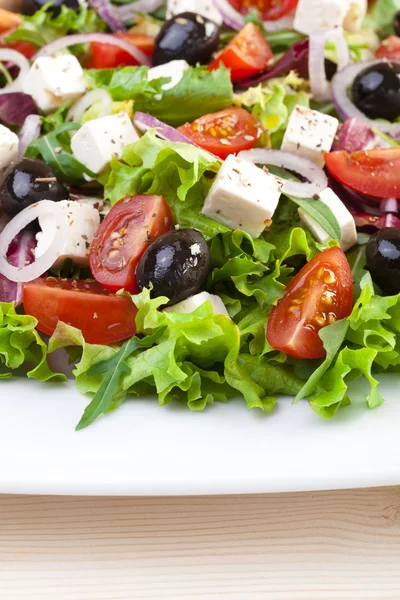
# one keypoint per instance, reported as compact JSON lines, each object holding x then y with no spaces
{"x":246,"y":55}
{"x":102,"y":317}
{"x":268,"y":10}
{"x":389,"y":48}
{"x":25,"y":48}
{"x":123,"y":237}
{"x":320,"y":294}
{"x":9,"y":20}
{"x":225,"y":132}
{"x":106,"y":56}
{"x":372,"y":172}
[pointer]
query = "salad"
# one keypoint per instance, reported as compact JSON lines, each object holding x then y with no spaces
{"x":199,"y":199}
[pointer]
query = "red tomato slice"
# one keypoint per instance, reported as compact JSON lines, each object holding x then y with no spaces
{"x":26,"y":48}
{"x":268,"y":10}
{"x":225,"y":132}
{"x":102,"y":317}
{"x":247,"y":54}
{"x":105,"y":56}
{"x":390,"y":48}
{"x":320,"y":294}
{"x":123,"y":237}
{"x":372,"y":172}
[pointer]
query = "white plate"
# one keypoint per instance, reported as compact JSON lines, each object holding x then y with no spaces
{"x":144,"y":449}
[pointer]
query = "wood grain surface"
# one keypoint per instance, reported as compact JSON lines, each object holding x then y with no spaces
{"x":327,"y":545}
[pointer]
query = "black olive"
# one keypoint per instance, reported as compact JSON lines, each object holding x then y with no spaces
{"x":177,"y":265}
{"x":376,"y":91}
{"x":186,"y":36}
{"x":383,"y":259}
{"x":31,"y":6}
{"x":330,"y":69}
{"x":396,"y":23}
{"x":30,"y":181}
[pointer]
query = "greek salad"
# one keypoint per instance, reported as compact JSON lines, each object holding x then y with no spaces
{"x":199,"y":198}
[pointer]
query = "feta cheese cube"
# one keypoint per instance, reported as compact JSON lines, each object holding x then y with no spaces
{"x":9,"y":144}
{"x":190,"y":304}
{"x":174,"y":69}
{"x":312,"y":15}
{"x":52,"y":80}
{"x":97,"y":141}
{"x":310,"y":134}
{"x":83,"y":223}
{"x":355,"y":15}
{"x":343,"y":216}
{"x":243,"y":196}
{"x":205,"y":8}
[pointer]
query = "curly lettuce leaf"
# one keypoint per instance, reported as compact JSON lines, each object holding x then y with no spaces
{"x":199,"y":92}
{"x":364,"y":343}
{"x":20,"y":343}
{"x":42,"y":27}
{"x":182,"y":173}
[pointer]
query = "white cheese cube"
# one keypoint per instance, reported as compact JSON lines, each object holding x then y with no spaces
{"x":205,"y":8}
{"x":9,"y":144}
{"x":312,"y":15}
{"x":310,"y":134}
{"x":83,"y":223}
{"x":52,"y":80}
{"x":343,"y":216}
{"x":243,"y":196}
{"x":174,"y":69}
{"x":355,"y":15}
{"x":190,"y":304}
{"x":97,"y":141}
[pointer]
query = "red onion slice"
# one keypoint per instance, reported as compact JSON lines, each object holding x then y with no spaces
{"x":304,"y":167}
{"x":236,"y":20}
{"x":105,"y":10}
{"x":30,"y":131}
{"x":320,"y":87}
{"x":22,"y":63}
{"x":389,"y":205}
{"x":87,"y":38}
{"x":144,"y":122}
{"x":98,"y":95}
{"x":17,"y":224}
{"x":345,"y":106}
{"x":127,"y":11}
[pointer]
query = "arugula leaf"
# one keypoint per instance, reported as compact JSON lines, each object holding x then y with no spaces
{"x":20,"y":343}
{"x":112,"y":368}
{"x":199,"y":92}
{"x":54,"y":148}
{"x":321,"y":213}
{"x":42,"y":27}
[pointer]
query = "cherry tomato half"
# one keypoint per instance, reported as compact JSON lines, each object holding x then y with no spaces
{"x":105,"y":56}
{"x":372,"y":172}
{"x":246,"y":55}
{"x":225,"y":132}
{"x":102,"y":317}
{"x":124,"y":236}
{"x":9,"y":20}
{"x":320,"y":294}
{"x":268,"y":10}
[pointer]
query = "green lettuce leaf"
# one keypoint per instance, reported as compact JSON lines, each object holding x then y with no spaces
{"x":182,"y":173}
{"x":380,"y":18}
{"x":199,"y":92}
{"x":42,"y":28}
{"x":20,"y":343}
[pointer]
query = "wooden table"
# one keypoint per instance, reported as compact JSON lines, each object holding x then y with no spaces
{"x":325,"y":545}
